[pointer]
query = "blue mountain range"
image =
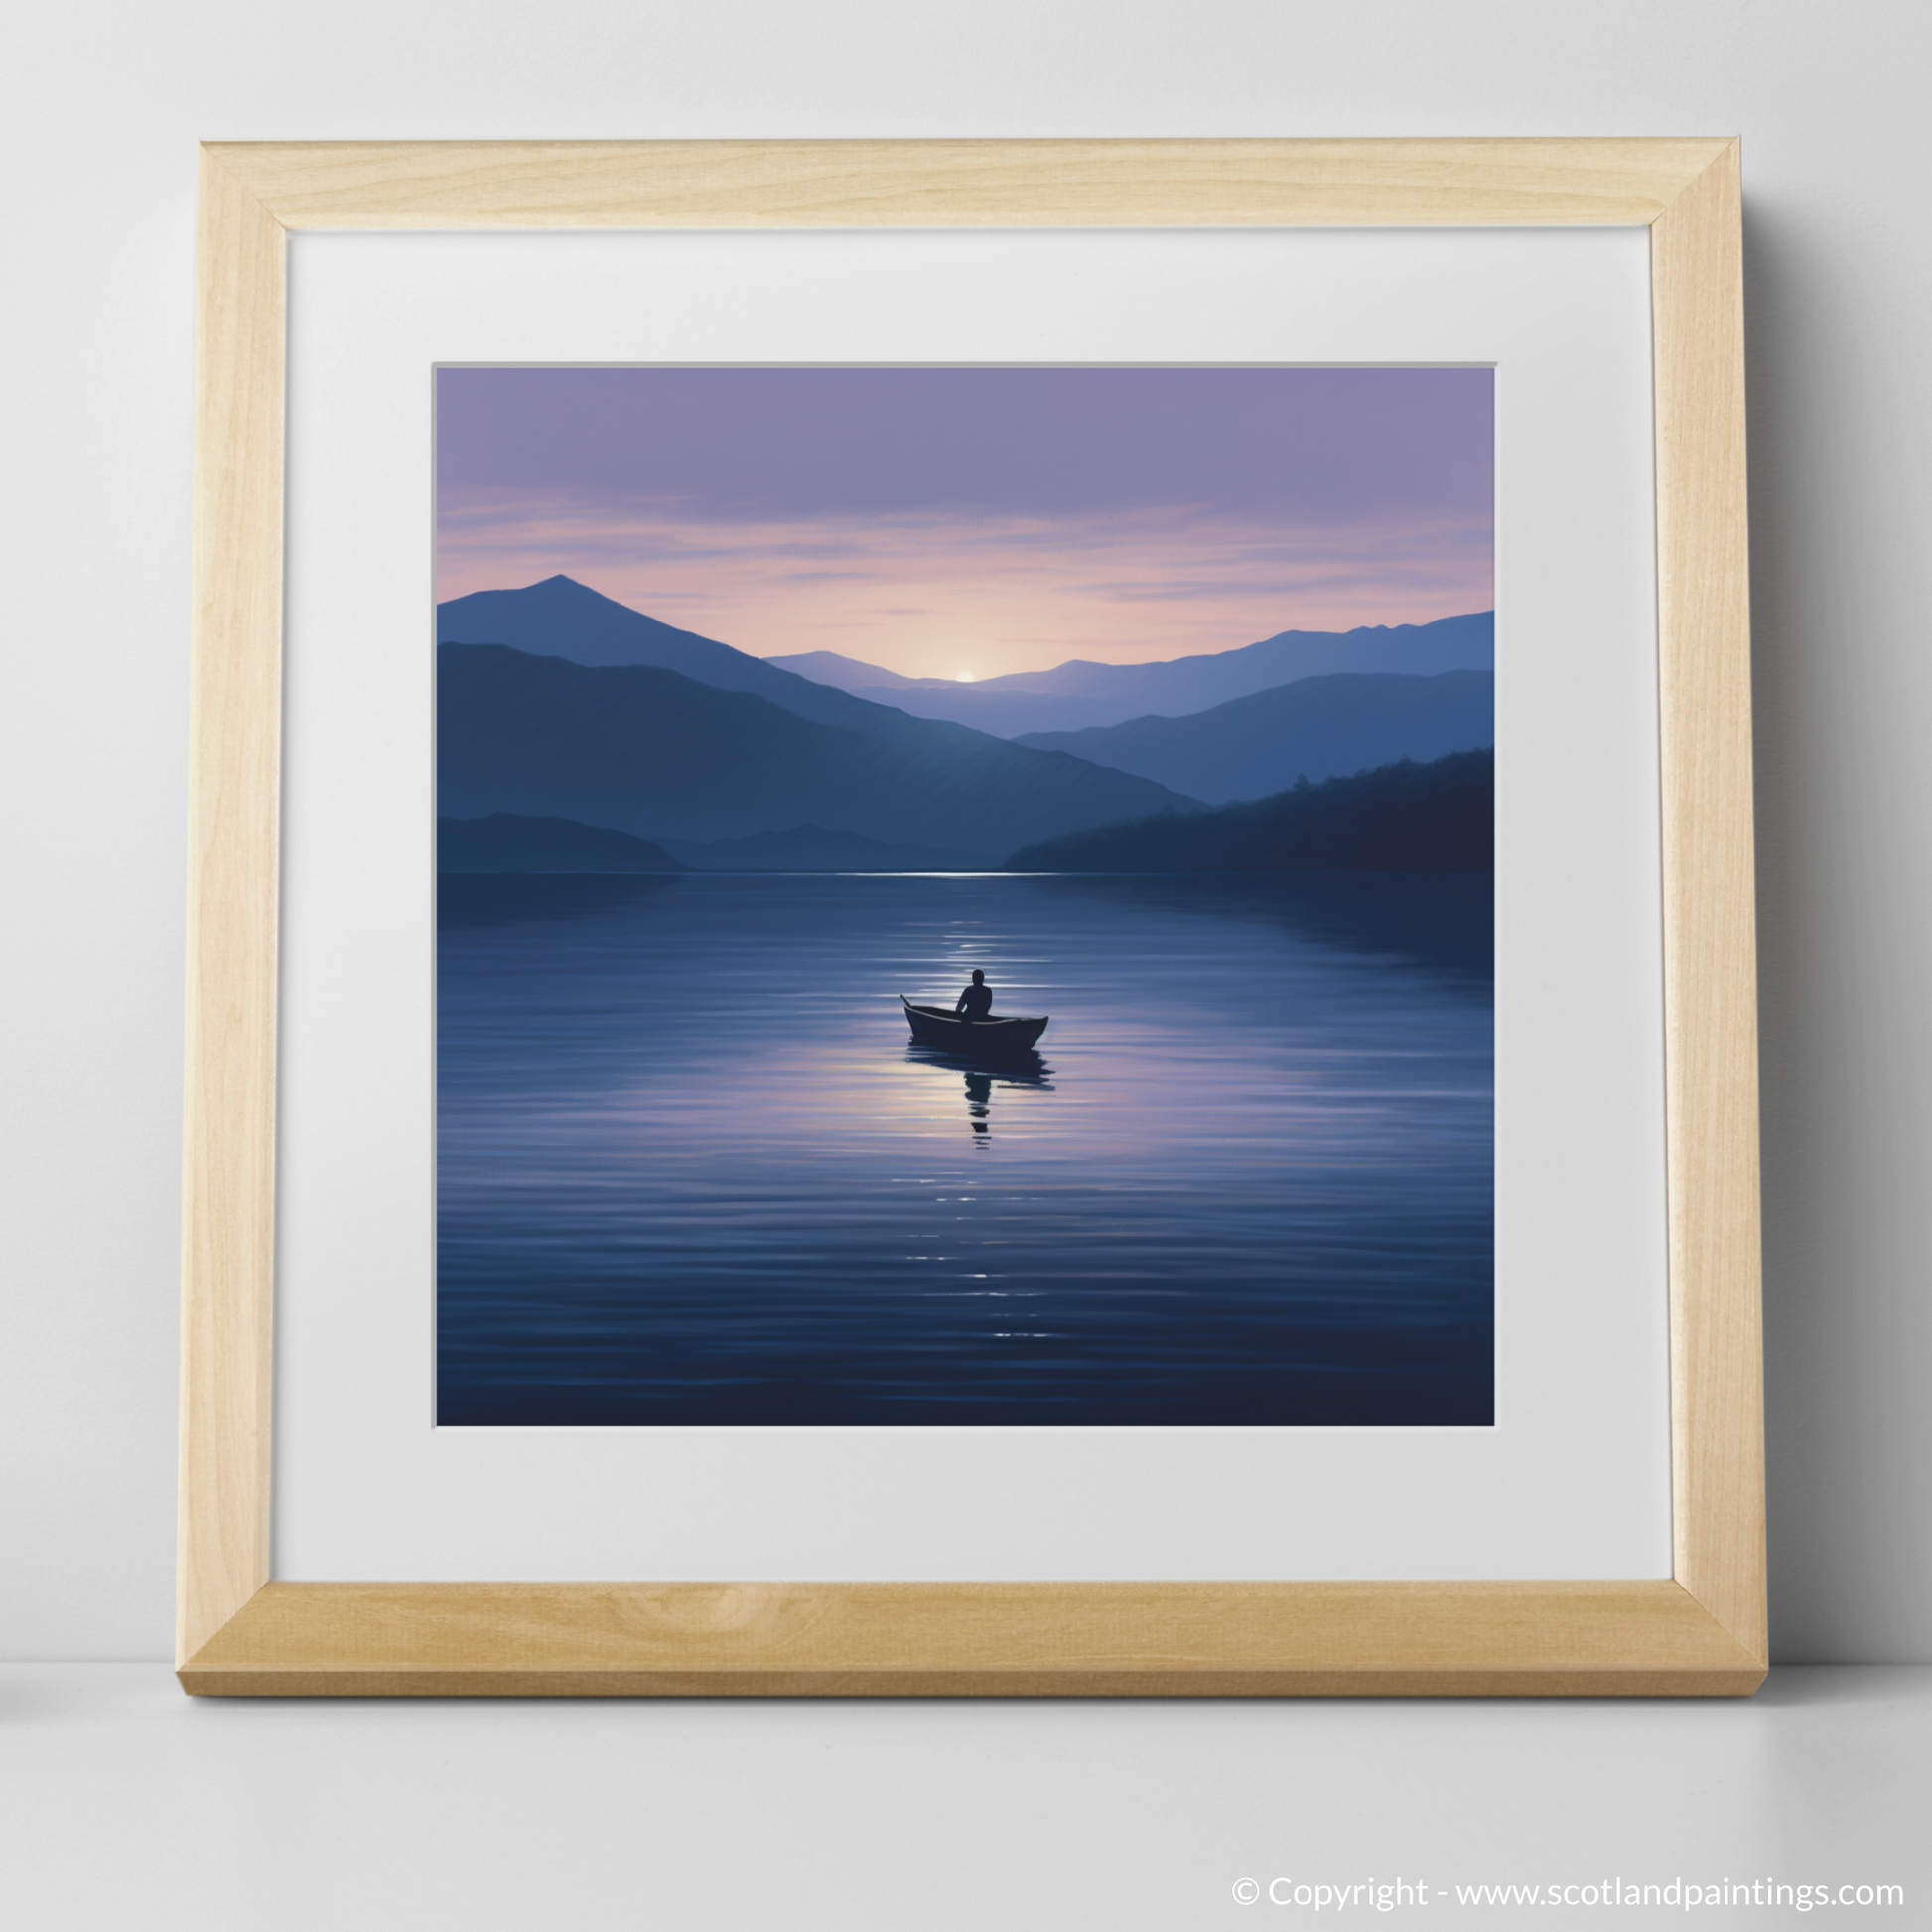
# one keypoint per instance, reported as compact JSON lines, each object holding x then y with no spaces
{"x":661,"y":756}
{"x":1080,"y":693}
{"x":1402,"y":817}
{"x":1314,"y":728}
{"x":576,"y":734}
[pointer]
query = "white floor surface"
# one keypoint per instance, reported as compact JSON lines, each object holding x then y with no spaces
{"x":125,"y":1804}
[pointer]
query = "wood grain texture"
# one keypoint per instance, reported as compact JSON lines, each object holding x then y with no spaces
{"x":1710,"y":942}
{"x":962,"y":184}
{"x":1196,"y":1640}
{"x":228,"y":1178}
{"x":1701,"y":1635}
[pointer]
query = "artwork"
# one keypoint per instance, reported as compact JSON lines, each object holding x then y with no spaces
{"x":965,"y":896}
{"x":243,"y":1630}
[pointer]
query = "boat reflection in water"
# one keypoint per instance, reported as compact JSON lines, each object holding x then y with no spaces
{"x":1025,"y":1069}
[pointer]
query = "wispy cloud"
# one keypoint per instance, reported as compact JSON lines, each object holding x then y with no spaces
{"x":976,"y":522}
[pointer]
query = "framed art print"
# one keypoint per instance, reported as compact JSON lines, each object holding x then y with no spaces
{"x":1016,"y":956}
{"x":731,"y":1127}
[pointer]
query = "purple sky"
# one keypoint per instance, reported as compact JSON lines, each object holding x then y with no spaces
{"x":944,"y":522}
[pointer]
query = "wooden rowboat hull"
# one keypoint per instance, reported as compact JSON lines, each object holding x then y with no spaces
{"x":936,"y":1027}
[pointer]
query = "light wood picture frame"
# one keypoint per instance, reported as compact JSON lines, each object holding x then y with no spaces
{"x":1700,"y":1632}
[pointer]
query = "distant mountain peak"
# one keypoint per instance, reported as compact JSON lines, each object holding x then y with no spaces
{"x":560,"y":587}
{"x":570,"y":585}
{"x":843,"y":673}
{"x":560,"y":617}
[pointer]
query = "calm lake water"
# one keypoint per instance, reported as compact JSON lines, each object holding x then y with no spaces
{"x":691,"y":1170}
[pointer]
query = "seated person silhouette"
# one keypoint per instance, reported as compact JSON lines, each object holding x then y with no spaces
{"x":977,"y":1000}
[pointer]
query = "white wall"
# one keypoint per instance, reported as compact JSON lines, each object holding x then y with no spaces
{"x":103,"y":106}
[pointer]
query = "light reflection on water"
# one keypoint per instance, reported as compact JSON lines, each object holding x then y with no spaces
{"x":691,"y":1170}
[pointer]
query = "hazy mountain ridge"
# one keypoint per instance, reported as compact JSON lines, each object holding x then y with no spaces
{"x":663,"y":757}
{"x":510,"y":842}
{"x":1080,"y":693}
{"x":1406,"y":817}
{"x":847,"y":673}
{"x":810,"y":848}
{"x":1321,"y":727}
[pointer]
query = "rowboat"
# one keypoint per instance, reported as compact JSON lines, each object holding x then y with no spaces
{"x":995,"y":1033}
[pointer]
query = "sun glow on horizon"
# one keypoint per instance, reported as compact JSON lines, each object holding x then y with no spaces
{"x":1041,"y":515}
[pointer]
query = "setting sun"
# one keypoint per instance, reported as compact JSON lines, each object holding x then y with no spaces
{"x":964,"y":677}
